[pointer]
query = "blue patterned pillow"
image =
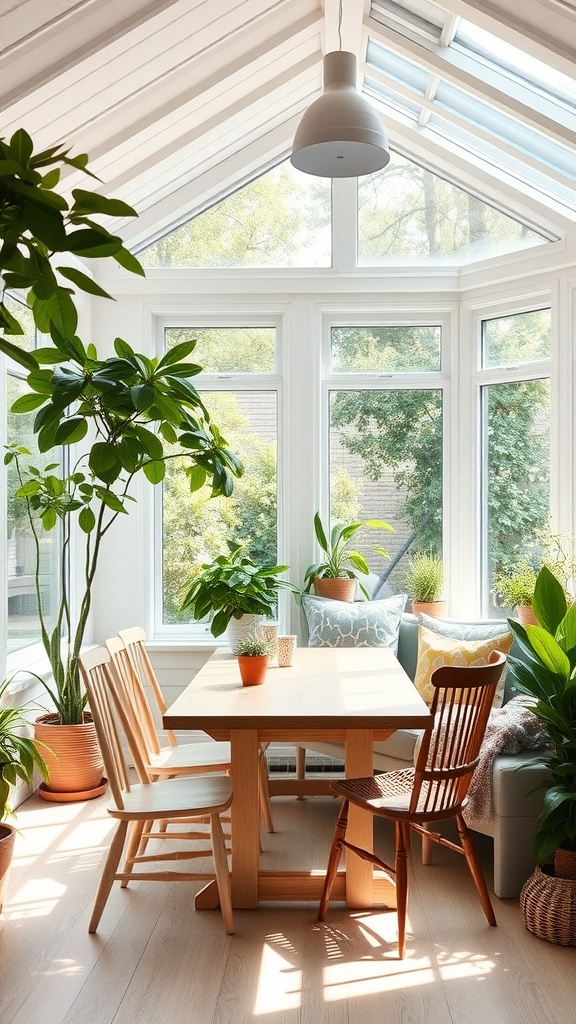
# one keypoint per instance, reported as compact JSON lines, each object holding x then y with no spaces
{"x":356,"y":624}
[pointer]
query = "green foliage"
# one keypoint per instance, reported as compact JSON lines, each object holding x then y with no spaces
{"x":339,"y":561}
{"x":234,"y":585}
{"x":398,"y":431}
{"x":254,"y":645}
{"x":548,"y":679}
{"x":516,"y":585}
{"x":195,"y":525}
{"x":131,"y":403}
{"x":425,"y":576}
{"x":37,"y":227}
{"x":19,"y":755}
{"x":273,"y":221}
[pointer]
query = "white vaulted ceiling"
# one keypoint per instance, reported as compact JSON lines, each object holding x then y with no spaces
{"x":179,"y":101}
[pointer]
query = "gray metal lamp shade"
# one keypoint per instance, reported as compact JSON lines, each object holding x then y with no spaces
{"x":340,"y":135}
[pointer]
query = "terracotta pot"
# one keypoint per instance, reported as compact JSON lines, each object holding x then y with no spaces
{"x":437,"y":608}
{"x":7,"y":836}
{"x":343,"y":589}
{"x":253,"y":668}
{"x":73,"y":757}
{"x":525,"y":615}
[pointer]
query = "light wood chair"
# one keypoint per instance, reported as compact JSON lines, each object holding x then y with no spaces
{"x":138,"y":805}
{"x":133,"y":669}
{"x":434,"y":790}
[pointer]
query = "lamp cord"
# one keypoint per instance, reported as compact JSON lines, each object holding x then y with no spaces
{"x":340,"y":26}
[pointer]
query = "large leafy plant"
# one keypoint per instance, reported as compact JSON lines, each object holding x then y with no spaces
{"x":339,"y":561}
{"x":547,"y":677}
{"x":234,"y":585}
{"x":41,"y":233}
{"x":141,"y":412}
{"x":133,"y":413}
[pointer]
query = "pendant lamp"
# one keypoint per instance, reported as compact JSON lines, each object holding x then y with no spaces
{"x":340,"y":135}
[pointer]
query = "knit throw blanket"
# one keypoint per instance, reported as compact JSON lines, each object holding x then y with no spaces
{"x":510,"y":729}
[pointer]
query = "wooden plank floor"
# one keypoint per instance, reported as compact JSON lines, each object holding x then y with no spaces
{"x":157,"y":961}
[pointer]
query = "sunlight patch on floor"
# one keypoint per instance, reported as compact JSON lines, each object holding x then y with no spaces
{"x":279,"y":985}
{"x":369,"y":976}
{"x":37,"y":898}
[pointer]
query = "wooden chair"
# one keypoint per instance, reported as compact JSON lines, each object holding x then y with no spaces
{"x":138,"y":805}
{"x":133,"y":669}
{"x":434,"y":790}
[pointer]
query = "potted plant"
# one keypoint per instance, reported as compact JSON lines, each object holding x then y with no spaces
{"x":232,"y":590}
{"x":338,"y":573}
{"x":134,"y":413}
{"x":19,"y":757}
{"x":253,"y":651}
{"x":424,"y":581}
{"x":547,"y":677}
{"x":514,"y":588}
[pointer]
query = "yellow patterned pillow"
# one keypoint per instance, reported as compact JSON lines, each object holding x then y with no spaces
{"x":434,"y":651}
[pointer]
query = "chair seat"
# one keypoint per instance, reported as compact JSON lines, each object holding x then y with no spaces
{"x":215,"y":756}
{"x":389,"y":795}
{"x":184,"y":797}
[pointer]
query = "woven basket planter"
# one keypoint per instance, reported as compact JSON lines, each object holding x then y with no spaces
{"x":548,"y":905}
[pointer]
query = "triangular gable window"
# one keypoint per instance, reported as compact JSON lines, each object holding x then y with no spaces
{"x":281,"y":219}
{"x":407,"y":214}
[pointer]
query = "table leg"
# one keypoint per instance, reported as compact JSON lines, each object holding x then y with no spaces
{"x":359,"y":884}
{"x":245,"y":818}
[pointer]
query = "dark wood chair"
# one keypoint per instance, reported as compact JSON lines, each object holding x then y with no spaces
{"x":434,"y":790}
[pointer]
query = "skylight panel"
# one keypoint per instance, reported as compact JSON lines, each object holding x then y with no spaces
{"x":506,"y":128}
{"x":492,"y":155}
{"x":521,"y":65}
{"x":421,"y":16}
{"x":393,"y":66}
{"x":378,"y":91}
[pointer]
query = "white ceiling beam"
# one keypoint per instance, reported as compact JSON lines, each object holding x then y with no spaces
{"x":66,"y":38}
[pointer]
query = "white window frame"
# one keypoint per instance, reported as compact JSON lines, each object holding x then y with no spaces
{"x":480,"y":377}
{"x":273,"y":381}
{"x":428,"y":314}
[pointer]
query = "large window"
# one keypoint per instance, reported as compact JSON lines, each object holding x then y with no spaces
{"x":23,"y":627}
{"x":386,"y":442}
{"x":516,"y":432}
{"x":239,"y":388}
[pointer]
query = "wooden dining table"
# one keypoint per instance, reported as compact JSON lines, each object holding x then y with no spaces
{"x":350,"y":695}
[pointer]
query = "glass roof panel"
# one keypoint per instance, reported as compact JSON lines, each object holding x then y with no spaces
{"x":508,"y":129}
{"x":393,"y":66}
{"x":482,"y":112}
{"x":391,"y":98}
{"x":517,"y":62}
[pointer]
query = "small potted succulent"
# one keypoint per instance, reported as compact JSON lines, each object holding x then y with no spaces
{"x":253,"y":652}
{"x":19,"y":757}
{"x":340,"y":570}
{"x":424,"y":582}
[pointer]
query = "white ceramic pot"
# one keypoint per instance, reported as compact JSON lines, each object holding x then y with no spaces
{"x":238,"y":628}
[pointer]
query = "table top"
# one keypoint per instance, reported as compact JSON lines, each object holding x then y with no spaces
{"x":334,"y":688}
